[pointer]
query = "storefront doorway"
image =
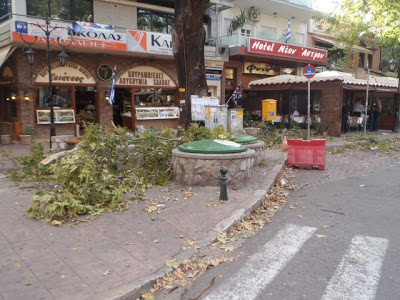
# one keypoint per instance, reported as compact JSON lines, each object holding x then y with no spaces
{"x":122,"y":107}
{"x":85,"y":106}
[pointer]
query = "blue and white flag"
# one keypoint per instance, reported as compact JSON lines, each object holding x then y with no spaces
{"x":235,"y":95}
{"x":288,"y":36}
{"x":111,"y":98}
{"x":79,"y":26}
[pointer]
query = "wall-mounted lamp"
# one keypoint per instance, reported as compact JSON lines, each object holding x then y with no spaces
{"x":13,"y":97}
{"x":26,"y":96}
{"x":106,"y":95}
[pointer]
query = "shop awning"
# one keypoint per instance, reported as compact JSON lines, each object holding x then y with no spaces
{"x":332,"y":42}
{"x":5,"y":52}
{"x":348,"y":81}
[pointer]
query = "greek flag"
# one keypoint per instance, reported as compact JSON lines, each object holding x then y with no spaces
{"x":235,"y":95}
{"x":77,"y":28}
{"x":288,"y":36}
{"x":111,"y":98}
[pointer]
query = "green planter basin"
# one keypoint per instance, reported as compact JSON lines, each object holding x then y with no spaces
{"x":212,"y":147}
{"x":245,"y":138}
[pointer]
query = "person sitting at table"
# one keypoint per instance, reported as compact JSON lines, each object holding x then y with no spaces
{"x":357,"y":108}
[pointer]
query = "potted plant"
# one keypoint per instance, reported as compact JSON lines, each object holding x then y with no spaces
{"x":323,"y":129}
{"x":5,"y":139}
{"x":26,"y":135}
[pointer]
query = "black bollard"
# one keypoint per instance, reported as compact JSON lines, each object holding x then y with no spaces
{"x":223,"y":194}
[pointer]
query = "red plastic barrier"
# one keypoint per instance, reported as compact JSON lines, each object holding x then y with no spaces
{"x":306,"y":154}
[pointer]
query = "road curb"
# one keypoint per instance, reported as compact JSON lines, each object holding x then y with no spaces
{"x":136,"y":288}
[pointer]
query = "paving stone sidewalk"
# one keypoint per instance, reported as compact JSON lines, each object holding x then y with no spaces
{"x":40,"y":261}
{"x":108,"y":256}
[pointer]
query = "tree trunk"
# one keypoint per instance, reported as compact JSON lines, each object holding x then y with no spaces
{"x":188,"y":36}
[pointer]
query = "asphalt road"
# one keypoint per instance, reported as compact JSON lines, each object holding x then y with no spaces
{"x":341,"y":242}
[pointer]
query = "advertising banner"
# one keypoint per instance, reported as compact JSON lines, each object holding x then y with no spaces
{"x":149,"y":42}
{"x":93,"y":38}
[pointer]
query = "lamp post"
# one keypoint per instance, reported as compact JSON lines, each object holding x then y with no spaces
{"x":63,"y":56}
{"x":392,"y":66}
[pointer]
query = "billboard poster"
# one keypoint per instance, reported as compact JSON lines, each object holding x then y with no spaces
{"x":149,"y":42}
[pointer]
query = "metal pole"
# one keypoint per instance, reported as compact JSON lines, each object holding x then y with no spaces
{"x":290,"y":103}
{"x":396,"y":115}
{"x":223,"y":194}
{"x":308,"y":110}
{"x":366,"y":105}
{"x":48,"y":53}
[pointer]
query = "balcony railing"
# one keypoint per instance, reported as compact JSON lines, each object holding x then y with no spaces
{"x":241,"y":40}
{"x":305,"y":3}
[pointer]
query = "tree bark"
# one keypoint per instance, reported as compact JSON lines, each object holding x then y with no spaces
{"x":188,"y":37}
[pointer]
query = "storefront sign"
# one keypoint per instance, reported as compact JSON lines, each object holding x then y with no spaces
{"x":260,"y":68}
{"x":72,"y":73}
{"x":286,"y":50}
{"x":145,"y":76}
{"x":104,"y":72}
{"x":149,"y":42}
{"x":6,"y":76}
{"x":86,"y":38}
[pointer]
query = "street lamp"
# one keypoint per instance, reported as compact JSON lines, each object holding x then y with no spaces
{"x":63,"y":56}
{"x":392,"y":66}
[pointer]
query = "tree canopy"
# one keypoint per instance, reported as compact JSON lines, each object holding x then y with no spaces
{"x":371,"y":22}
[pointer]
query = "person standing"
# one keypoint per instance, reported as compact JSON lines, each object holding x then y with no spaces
{"x":345,"y":116}
{"x":376,"y":110}
{"x":357,"y":108}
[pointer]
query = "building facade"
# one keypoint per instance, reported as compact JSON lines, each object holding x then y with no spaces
{"x":131,"y":37}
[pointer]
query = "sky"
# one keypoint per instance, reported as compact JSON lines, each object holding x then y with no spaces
{"x":325,"y":5}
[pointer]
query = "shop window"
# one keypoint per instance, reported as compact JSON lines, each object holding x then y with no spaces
{"x":62,"y":97}
{"x":5,"y":10}
{"x":76,"y":10}
{"x":155,"y":21}
{"x":155,"y":97}
{"x":11,"y":107}
{"x":369,"y":60}
{"x":361,"y":59}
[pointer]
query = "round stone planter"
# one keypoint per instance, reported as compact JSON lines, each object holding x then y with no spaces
{"x":204,"y":169}
{"x":5,"y":139}
{"x":259,"y":148}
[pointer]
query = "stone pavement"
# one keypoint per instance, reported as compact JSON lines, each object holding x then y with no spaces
{"x":111,"y":256}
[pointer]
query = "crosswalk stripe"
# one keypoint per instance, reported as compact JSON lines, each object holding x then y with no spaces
{"x":263,"y":266}
{"x":358,"y":273}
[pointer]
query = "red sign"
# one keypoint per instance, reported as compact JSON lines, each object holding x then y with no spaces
{"x":287,"y":50}
{"x":309,"y":71}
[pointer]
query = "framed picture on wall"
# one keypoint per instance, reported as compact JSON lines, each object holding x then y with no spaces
{"x":61,"y":116}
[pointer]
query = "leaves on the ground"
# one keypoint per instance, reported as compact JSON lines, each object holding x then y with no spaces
{"x":293,"y":206}
{"x":187,"y":193}
{"x":129,"y":243}
{"x":74,"y":249}
{"x":148,"y":296}
{"x":17,"y":265}
{"x":151,"y":208}
{"x":363,"y":185}
{"x":56,"y":223}
{"x":156,"y":241}
{"x":106,"y":273}
{"x":171,"y":263}
{"x":321,"y":236}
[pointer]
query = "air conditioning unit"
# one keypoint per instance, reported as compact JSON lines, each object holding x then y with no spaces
{"x":254,"y":15}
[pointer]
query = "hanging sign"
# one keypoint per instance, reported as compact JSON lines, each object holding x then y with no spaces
{"x":7,"y":76}
{"x":286,"y":50}
{"x":104,"y":72}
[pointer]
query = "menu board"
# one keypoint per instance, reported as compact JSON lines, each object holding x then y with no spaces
{"x":61,"y":116}
{"x":198,"y":106}
{"x":148,"y":113}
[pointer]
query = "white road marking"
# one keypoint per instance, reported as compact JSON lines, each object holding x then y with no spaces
{"x":358,"y":273}
{"x":264,"y":265}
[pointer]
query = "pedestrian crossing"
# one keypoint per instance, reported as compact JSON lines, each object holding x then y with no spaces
{"x":356,"y":277}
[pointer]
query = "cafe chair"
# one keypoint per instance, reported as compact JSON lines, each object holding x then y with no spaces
{"x":354,"y":123}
